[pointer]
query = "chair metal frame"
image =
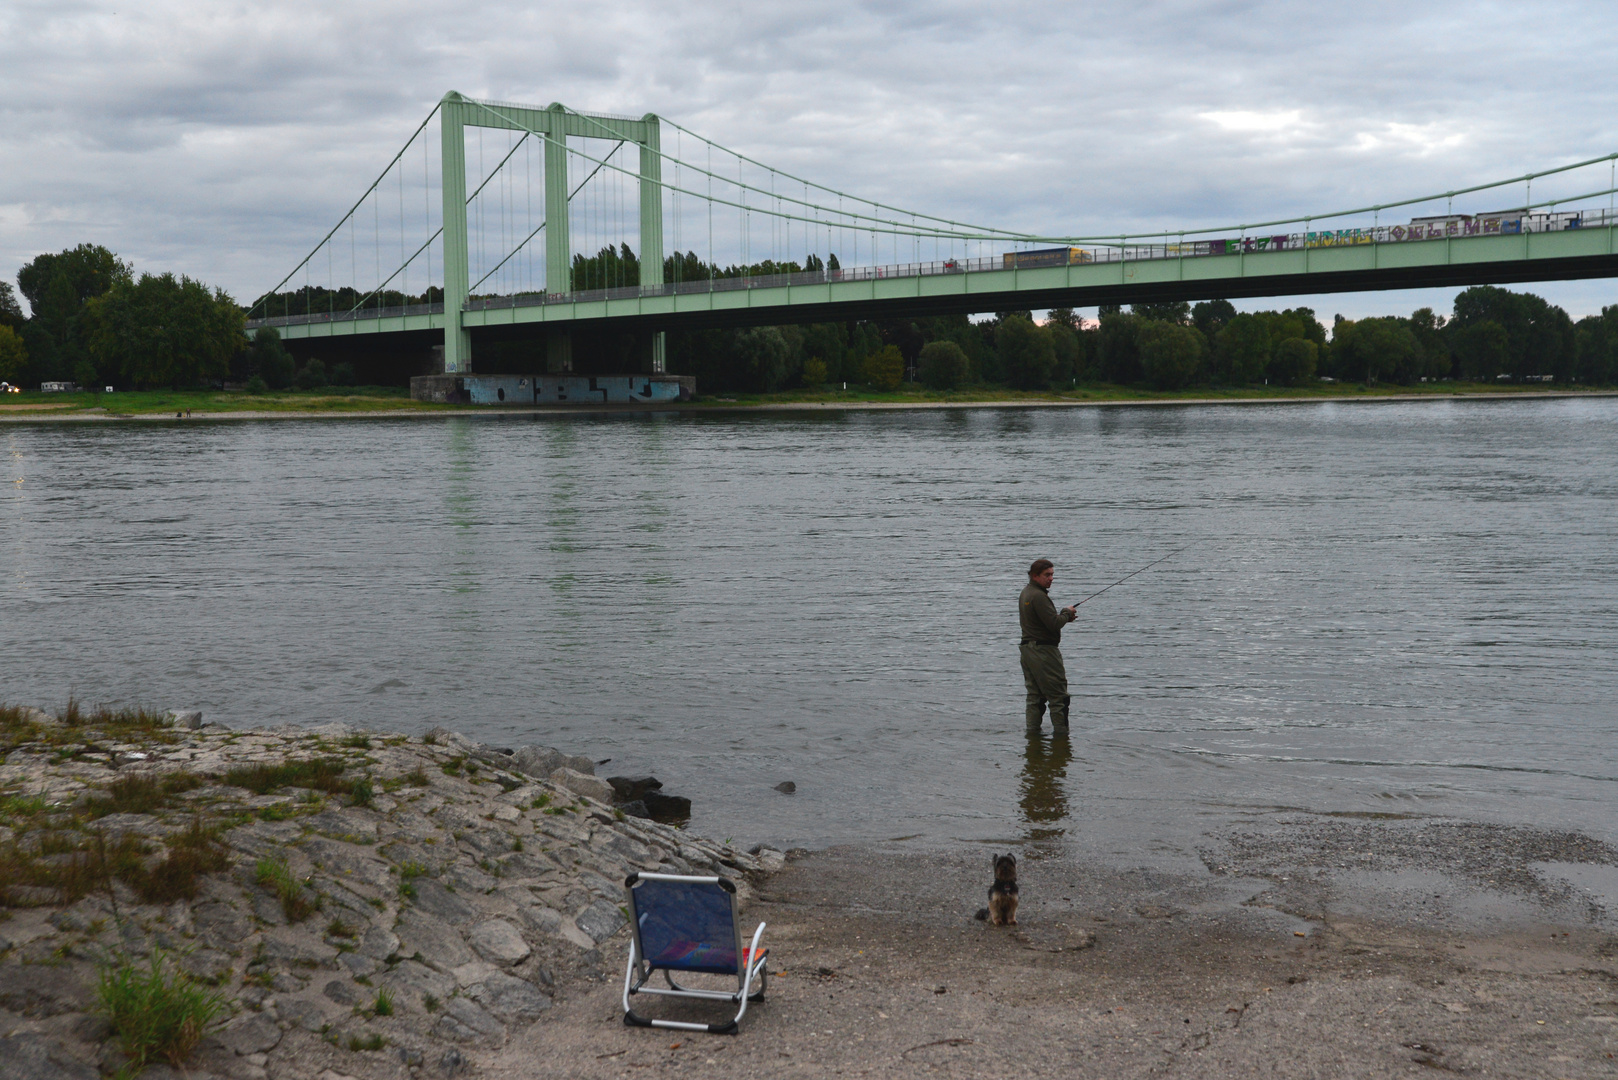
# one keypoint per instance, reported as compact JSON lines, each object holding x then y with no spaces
{"x":750,"y":964}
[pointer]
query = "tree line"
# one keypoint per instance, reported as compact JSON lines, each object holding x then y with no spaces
{"x":1492,"y":335}
{"x":95,"y":323}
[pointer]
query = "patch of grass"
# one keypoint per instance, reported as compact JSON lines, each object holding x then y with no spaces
{"x":277,"y":812}
{"x":454,"y":765}
{"x":156,"y":1011}
{"x":416,"y":777}
{"x":357,"y":742}
{"x":192,"y":852}
{"x":275,"y":875}
{"x":142,"y":793}
{"x":17,"y":807}
{"x":430,"y":739}
{"x":362,"y":792}
{"x":339,"y":928}
{"x":516,"y":845}
{"x":542,"y":802}
{"x":384,"y":1003}
{"x":58,"y":866}
{"x":375,"y":1042}
{"x":320,"y":774}
{"x":429,"y":1002}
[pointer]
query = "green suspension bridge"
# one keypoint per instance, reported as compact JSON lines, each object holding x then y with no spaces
{"x":520,"y":227}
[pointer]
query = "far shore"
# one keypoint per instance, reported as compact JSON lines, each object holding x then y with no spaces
{"x":210,"y":405}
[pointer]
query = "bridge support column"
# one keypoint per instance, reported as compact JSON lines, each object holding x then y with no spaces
{"x":457,"y":273}
{"x":651,"y":224}
{"x":559,"y":351}
{"x":558,"y":243}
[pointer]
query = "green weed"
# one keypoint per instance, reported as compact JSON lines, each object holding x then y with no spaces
{"x":357,"y":742}
{"x":321,"y":774}
{"x":275,"y":875}
{"x":142,"y":794}
{"x":454,"y":765}
{"x":429,"y":1003}
{"x":157,"y":1011}
{"x":384,"y":1003}
{"x":375,"y":1042}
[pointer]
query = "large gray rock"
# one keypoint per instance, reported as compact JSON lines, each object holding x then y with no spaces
{"x":541,"y":761}
{"x":414,"y":982}
{"x":378,"y":944}
{"x":509,"y":998}
{"x":185,"y":718}
{"x":498,"y":942}
{"x":464,"y":1021}
{"x":432,"y":898}
{"x":437,"y":942}
{"x":255,"y":1033}
{"x":443,"y":736}
{"x":591,"y":787}
{"x":600,"y":920}
{"x":32,"y":1057}
{"x":633,"y":788}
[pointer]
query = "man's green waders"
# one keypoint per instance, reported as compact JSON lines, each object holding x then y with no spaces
{"x":1046,"y":679}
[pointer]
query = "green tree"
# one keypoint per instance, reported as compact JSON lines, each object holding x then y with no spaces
{"x":1373,"y":349}
{"x":10,"y":311}
{"x":1293,"y":361}
{"x":1068,"y":347}
{"x":1119,"y":347}
{"x":88,"y":271}
{"x":885,"y":368}
{"x":1597,"y":345}
{"x":1482,"y":350}
{"x":1242,"y":350}
{"x":1212,"y":316}
{"x":1026,"y":352}
{"x":13,"y":355}
{"x":163,"y":330}
{"x":1173,"y":311}
{"x":1170,"y":353}
{"x":942,"y":365}
{"x":761,"y":355}
{"x":814,"y":371}
{"x":1436,"y":360}
{"x":268,"y":359}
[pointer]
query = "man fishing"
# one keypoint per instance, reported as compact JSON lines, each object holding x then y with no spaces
{"x":1042,"y":670}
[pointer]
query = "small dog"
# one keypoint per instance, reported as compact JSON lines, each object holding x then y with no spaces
{"x":1002,"y":909}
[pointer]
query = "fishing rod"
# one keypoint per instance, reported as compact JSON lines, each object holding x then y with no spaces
{"x":1142,"y":570}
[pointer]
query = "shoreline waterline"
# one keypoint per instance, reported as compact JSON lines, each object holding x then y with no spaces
{"x":47,"y":413}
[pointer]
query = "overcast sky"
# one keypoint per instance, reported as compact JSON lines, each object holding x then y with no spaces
{"x":222,"y":139}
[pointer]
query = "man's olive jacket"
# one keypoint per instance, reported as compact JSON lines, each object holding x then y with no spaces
{"x":1041,"y":622}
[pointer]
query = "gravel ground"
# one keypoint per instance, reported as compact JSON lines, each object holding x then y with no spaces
{"x":1454,"y":947}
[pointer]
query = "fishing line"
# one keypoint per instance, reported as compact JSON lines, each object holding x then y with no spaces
{"x":1142,"y":570}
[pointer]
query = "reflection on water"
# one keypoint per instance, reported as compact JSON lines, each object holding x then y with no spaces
{"x":1043,"y":785}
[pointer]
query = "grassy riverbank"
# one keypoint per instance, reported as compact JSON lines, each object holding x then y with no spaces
{"x":388,"y":399}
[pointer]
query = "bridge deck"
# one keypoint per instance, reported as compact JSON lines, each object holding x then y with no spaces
{"x":1135,"y":275}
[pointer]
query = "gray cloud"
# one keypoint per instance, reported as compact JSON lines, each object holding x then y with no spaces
{"x":223,"y":141}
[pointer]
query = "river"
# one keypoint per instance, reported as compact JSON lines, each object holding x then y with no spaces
{"x":1387,"y":608}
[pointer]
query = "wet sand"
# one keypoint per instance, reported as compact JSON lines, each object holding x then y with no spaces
{"x":1459,"y":948}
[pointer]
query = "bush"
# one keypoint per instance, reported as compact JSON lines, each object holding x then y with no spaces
{"x":312,"y":375}
{"x":814,"y":371}
{"x":942,"y":365}
{"x":342,"y":374}
{"x":885,"y":368}
{"x":157,"y":1011}
{"x":256,"y":385}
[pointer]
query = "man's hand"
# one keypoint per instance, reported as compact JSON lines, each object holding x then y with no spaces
{"x":1071,"y":612}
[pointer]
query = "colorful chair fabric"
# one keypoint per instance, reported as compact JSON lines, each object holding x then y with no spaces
{"x":690,"y":924}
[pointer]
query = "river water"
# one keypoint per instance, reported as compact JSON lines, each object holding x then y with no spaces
{"x":1402,"y":608}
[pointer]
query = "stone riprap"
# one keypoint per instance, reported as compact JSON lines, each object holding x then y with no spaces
{"x":465,"y":886}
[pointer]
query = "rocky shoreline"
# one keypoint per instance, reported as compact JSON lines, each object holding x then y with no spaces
{"x":365,"y":904}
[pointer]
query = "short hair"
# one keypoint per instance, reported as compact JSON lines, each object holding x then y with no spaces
{"x":1039,"y":567}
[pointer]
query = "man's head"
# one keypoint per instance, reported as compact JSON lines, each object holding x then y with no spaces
{"x":1042,"y":573}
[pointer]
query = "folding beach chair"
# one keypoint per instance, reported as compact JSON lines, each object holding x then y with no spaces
{"x":690,"y":924}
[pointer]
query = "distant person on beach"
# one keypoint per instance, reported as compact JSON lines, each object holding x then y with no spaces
{"x":1042,"y":670}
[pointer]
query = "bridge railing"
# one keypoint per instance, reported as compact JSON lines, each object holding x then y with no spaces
{"x":1125,"y":250}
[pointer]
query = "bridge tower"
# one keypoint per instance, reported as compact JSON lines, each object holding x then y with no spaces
{"x":554,"y":125}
